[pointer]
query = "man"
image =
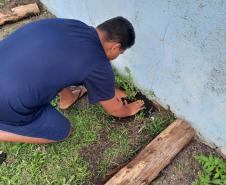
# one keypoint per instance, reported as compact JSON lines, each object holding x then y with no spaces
{"x":46,"y":57}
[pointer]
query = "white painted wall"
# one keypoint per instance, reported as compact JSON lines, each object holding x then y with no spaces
{"x":180,"y":54}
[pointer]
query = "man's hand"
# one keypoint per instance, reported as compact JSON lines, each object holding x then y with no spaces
{"x":117,"y":109}
{"x":135,"y":107}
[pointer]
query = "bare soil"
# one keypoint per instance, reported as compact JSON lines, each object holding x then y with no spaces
{"x":183,"y":169}
{"x":6,"y":5}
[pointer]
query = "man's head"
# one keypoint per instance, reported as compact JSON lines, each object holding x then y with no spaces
{"x":116,"y":35}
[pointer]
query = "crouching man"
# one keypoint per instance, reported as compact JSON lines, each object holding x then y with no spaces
{"x":44,"y":58}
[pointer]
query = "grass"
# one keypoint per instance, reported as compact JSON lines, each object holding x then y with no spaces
{"x":64,"y":163}
{"x":158,"y":124}
{"x":119,"y":149}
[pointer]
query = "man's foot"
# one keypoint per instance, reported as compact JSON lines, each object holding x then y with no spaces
{"x":69,"y":97}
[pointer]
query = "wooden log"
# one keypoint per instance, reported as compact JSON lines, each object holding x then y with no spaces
{"x":112,"y":172}
{"x":155,"y":156}
{"x":18,"y":13}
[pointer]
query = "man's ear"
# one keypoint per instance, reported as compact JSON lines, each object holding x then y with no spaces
{"x":116,"y":46}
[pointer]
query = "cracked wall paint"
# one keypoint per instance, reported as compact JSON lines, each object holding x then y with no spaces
{"x":180,"y":53}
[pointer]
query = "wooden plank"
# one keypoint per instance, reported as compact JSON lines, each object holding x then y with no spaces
{"x":155,"y":156}
{"x":18,"y":13}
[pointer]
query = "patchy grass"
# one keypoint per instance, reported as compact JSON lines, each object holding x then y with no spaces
{"x":112,"y":141}
{"x":119,"y":149}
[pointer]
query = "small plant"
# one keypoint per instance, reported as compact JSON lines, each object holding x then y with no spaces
{"x":158,"y":124}
{"x":55,"y":101}
{"x":151,"y":94}
{"x":213,"y":171}
{"x":126,"y":82}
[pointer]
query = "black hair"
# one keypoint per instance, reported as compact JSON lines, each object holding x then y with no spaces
{"x":120,"y":30}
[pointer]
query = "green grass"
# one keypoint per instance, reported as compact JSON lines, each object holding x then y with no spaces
{"x":119,"y":149}
{"x":158,"y":124}
{"x":64,"y":163}
{"x":27,"y":164}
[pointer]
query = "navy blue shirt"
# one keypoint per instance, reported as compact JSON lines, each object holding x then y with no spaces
{"x":43,"y":57}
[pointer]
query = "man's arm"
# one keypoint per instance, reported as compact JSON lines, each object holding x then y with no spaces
{"x":116,"y":108}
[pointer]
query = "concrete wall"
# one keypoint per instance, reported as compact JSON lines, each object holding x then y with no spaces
{"x":180,"y":54}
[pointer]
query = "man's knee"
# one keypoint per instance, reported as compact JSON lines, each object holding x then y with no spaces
{"x":67,"y":136}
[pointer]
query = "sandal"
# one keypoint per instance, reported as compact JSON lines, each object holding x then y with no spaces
{"x":82,"y":92}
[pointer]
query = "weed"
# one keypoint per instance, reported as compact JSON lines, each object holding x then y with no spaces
{"x":55,"y":101}
{"x":151,"y":94}
{"x":160,"y":122}
{"x":213,"y":171}
{"x":139,"y":116}
{"x":126,"y":82}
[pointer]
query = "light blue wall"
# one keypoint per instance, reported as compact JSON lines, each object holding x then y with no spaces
{"x":180,"y":54}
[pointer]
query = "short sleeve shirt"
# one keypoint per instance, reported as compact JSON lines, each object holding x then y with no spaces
{"x":41,"y":58}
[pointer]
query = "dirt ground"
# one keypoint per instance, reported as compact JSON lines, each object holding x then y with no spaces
{"x":183,"y":169}
{"x":5,"y":5}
